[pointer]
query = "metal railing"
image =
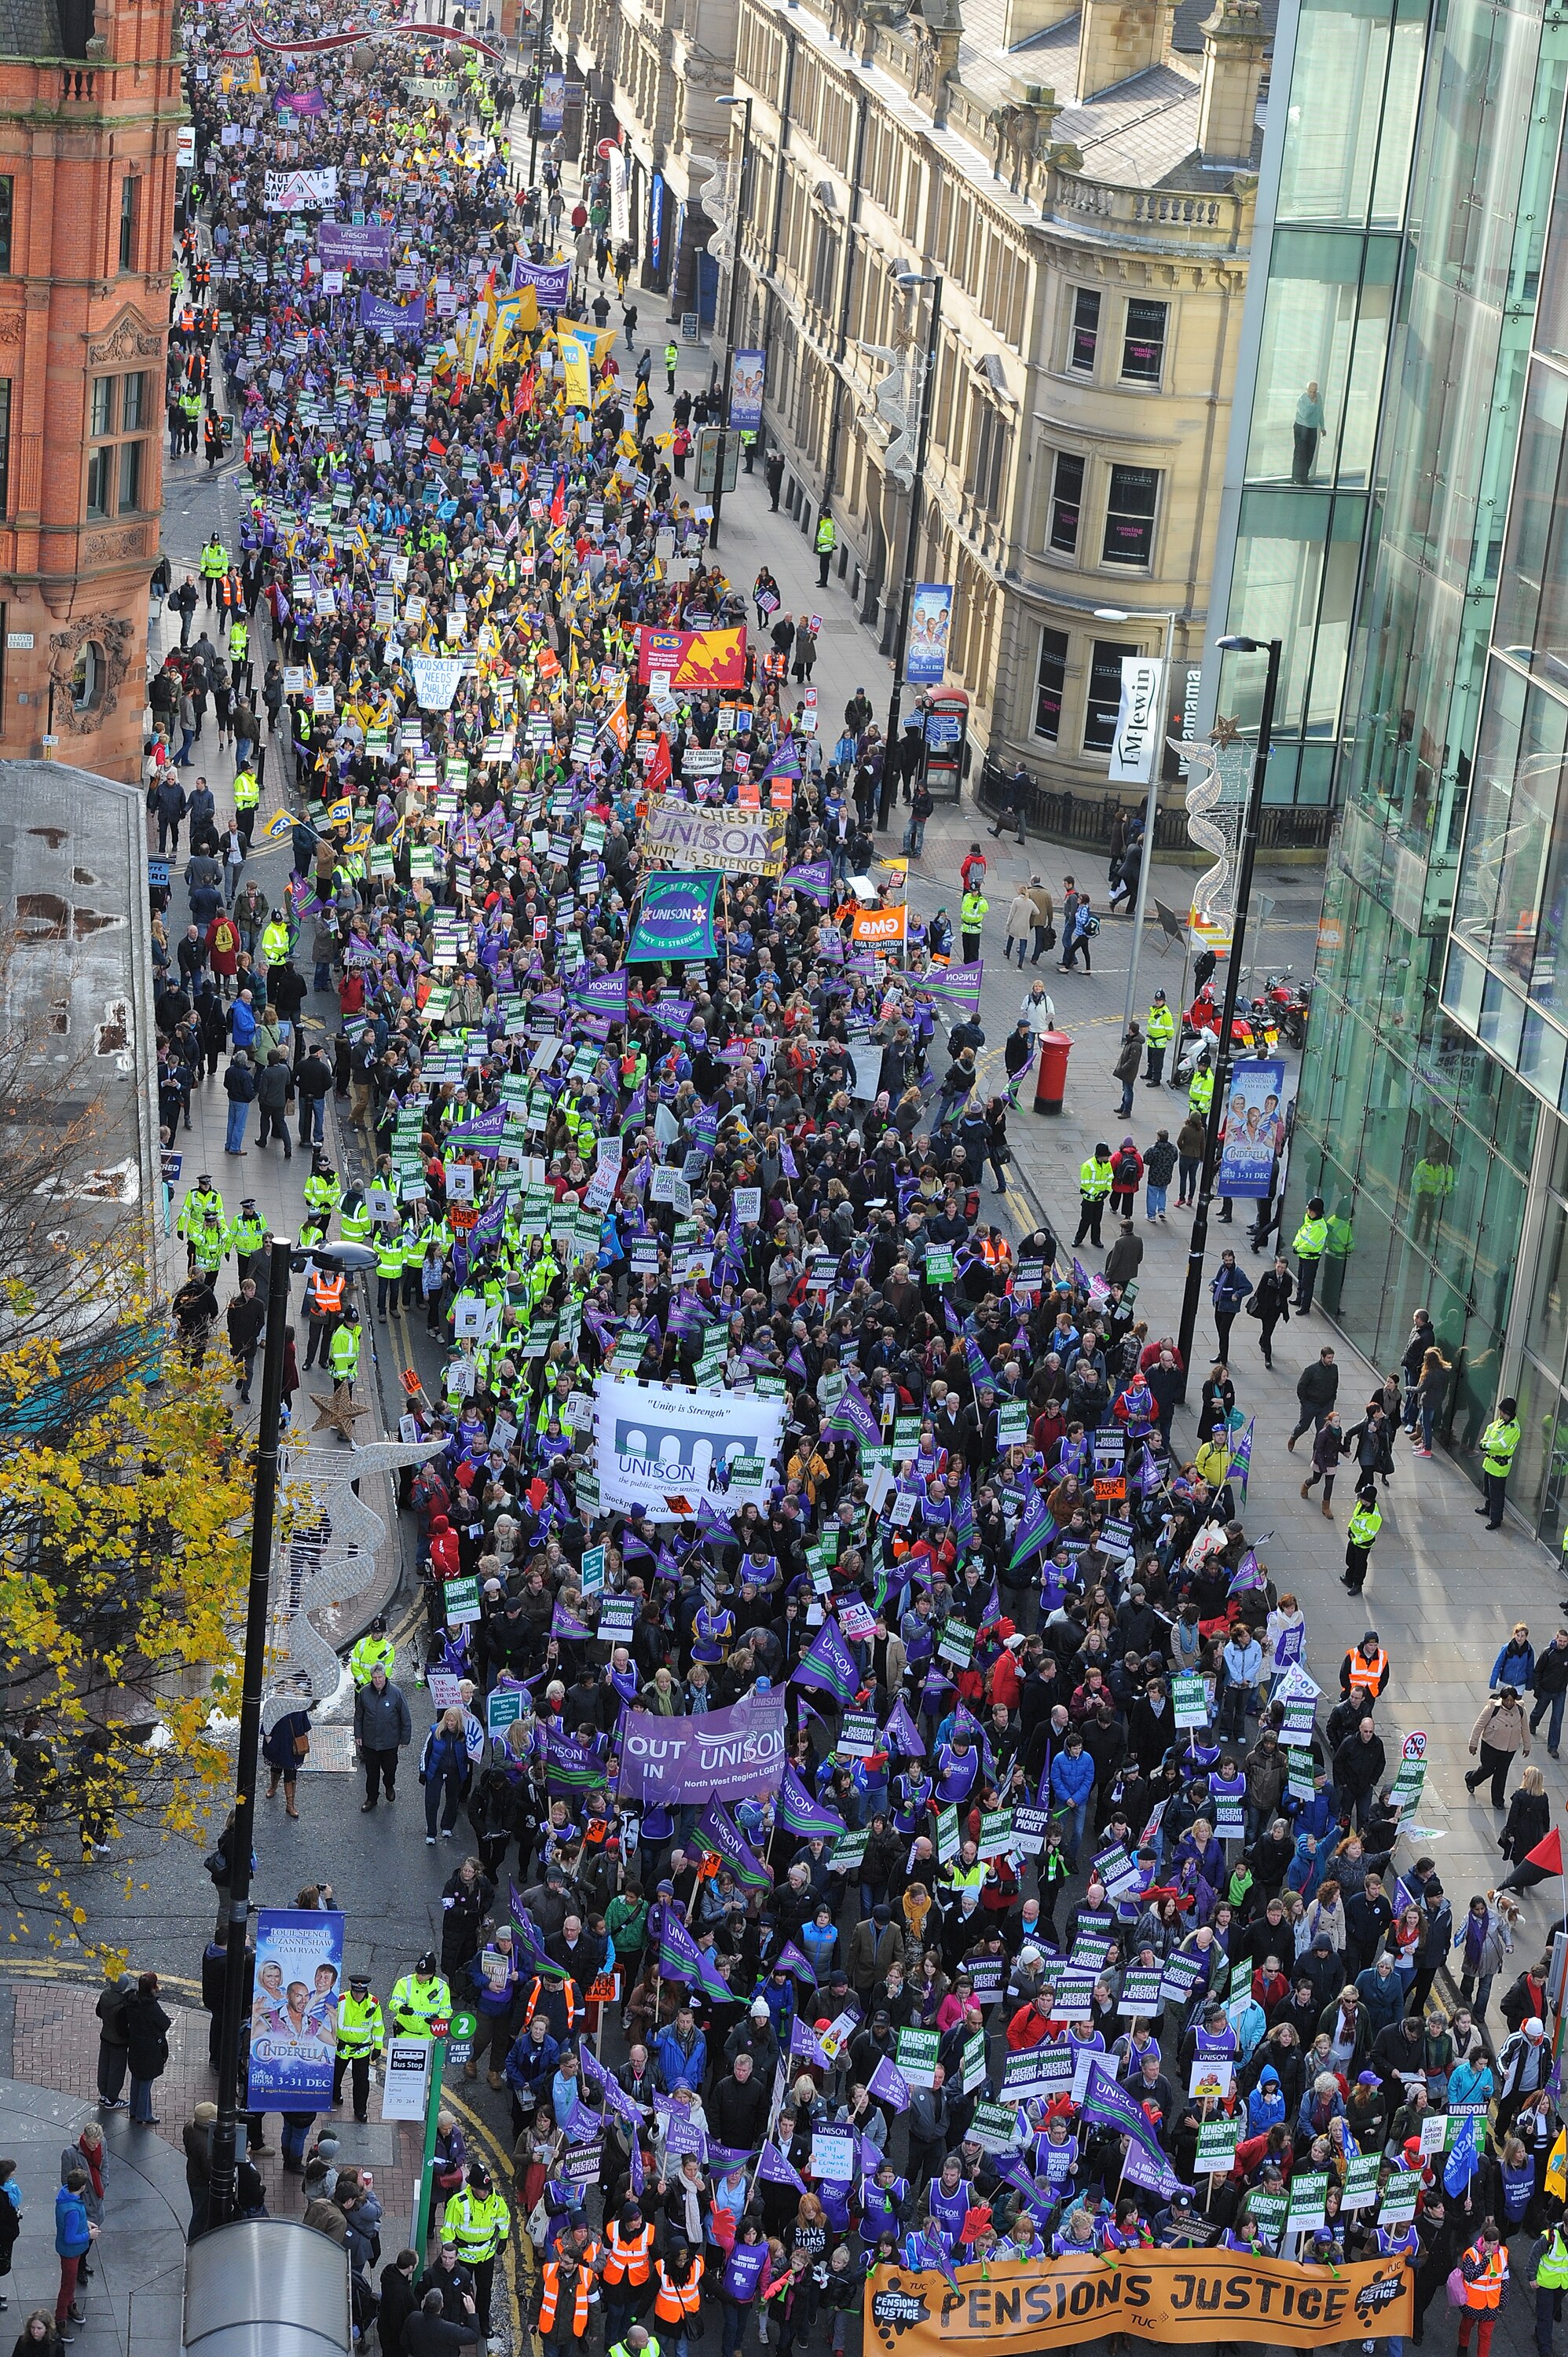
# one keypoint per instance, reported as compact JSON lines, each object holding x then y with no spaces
{"x":1063,"y":817}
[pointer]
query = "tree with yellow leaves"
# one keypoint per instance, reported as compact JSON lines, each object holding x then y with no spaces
{"x":124,"y":1499}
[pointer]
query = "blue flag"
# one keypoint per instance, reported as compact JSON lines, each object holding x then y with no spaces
{"x":1460,"y":2166}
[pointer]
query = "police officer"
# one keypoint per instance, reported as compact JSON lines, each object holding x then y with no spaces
{"x":375,"y":1651}
{"x":1307,"y":1244}
{"x":827,"y":541}
{"x":343,"y":1353}
{"x":1366,"y":1521}
{"x":1159,"y":1032}
{"x":420,"y":1998}
{"x":1094,"y":1180}
{"x":671,"y":354}
{"x":1499,"y":1443}
{"x":477,"y":2222}
{"x":361,"y":2034}
{"x":214,"y":568}
{"x":247,"y":796}
{"x":246,"y":1238}
{"x":389,"y":1269}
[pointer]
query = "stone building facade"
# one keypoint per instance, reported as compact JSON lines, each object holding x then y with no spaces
{"x":90,"y":107}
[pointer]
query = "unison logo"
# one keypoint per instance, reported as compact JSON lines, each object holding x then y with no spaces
{"x":676,"y":1454}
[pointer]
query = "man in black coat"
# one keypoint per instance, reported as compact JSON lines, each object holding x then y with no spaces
{"x":1358,"y":1764}
{"x":398,"y":2301}
{"x":427,"y":2333}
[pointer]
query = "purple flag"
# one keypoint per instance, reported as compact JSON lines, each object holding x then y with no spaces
{"x":888,"y":2081}
{"x":955,"y":985}
{"x":604,"y":994}
{"x":802,"y":1815}
{"x":564,"y":1623}
{"x":815,"y":879}
{"x":790,"y":1957}
{"x":715,"y":1832}
{"x":774,"y":2170}
{"x":852,"y":1413}
{"x":829,"y":1665}
{"x":902,"y":1733}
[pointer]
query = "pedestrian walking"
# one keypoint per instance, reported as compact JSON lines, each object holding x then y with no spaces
{"x":1079,"y":930}
{"x":1499,"y":1734}
{"x":284,"y":1748}
{"x":1126,"y":1176}
{"x":1020,"y":925}
{"x":1327,"y":1448}
{"x":1270,"y":1305}
{"x":1317,"y":1388}
{"x":1550,"y":1690}
{"x":382,"y":1727}
{"x":1228,"y":1290}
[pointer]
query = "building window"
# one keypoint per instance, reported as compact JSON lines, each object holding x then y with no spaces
{"x":824,"y":254}
{"x":100,"y":479}
{"x":130,"y":477}
{"x":5,"y":445}
{"x":1084,"y":337}
{"x":87,"y":677}
{"x":133,"y":403}
{"x":8,"y":187}
{"x":1130,"y":516}
{"x":990,"y":451}
{"x":100,"y":411}
{"x":1051,"y":685}
{"x":127,"y":221}
{"x":1067,"y":503}
{"x":1143,"y":345}
{"x":1105,"y":694}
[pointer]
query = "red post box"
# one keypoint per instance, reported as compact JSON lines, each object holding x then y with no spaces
{"x":1050,"y":1082}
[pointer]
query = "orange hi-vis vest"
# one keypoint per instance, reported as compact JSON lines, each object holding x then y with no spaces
{"x":327,"y":1293}
{"x":672,"y":2300}
{"x":581,"y":2286}
{"x":568,"y":1988}
{"x":629,"y":2260}
{"x":1367,"y":1669}
{"x":1487,"y":2291}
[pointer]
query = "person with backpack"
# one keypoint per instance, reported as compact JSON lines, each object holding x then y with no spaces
{"x":1079,"y":926}
{"x":1126,"y":1178}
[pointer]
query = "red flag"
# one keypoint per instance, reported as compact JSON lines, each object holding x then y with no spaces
{"x":558,"y":504}
{"x":1547,"y":1853}
{"x":659,"y":773}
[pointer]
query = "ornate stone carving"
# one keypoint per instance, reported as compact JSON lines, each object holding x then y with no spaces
{"x":128,"y":339}
{"x":104,"y":546}
{"x":115,"y":636}
{"x":13,"y":327}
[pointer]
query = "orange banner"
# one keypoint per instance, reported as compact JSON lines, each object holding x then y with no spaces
{"x":879,"y":929}
{"x":1175,"y":2296}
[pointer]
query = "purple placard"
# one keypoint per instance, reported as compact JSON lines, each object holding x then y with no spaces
{"x":353,"y":245}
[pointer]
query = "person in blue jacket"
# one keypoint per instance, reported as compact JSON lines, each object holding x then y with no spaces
{"x":1072,"y":1784}
{"x":74,"y":2237}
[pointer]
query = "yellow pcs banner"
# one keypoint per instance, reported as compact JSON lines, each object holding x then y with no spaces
{"x":1171,"y":2296}
{"x":579,"y":380}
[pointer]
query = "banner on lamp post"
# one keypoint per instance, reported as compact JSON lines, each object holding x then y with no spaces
{"x":1137,"y":739}
{"x":930,"y":616}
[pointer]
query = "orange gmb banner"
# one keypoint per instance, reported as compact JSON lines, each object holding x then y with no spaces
{"x":1176,"y":2296}
{"x":879,"y":928}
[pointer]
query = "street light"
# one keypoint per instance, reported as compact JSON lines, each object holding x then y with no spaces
{"x":1117,"y":614}
{"x":348,"y":1258}
{"x":907,"y":280}
{"x":544,"y":41}
{"x":722,"y":448}
{"x":1197,"y":1248}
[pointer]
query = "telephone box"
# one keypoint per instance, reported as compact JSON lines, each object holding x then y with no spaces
{"x":947,"y":742}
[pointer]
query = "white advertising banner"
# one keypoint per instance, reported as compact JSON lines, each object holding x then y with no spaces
{"x":668,"y":1449}
{"x":1138,"y":729}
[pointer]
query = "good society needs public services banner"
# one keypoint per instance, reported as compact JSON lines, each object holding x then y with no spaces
{"x":1175,"y":2296}
{"x":665,"y":1449}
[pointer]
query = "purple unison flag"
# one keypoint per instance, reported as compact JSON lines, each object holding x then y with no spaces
{"x":605,"y":994}
{"x":902,"y":1733}
{"x":1037,"y":1528}
{"x":726,"y":1755}
{"x":715,"y":1832}
{"x":828,"y":1664}
{"x":1111,"y":2106}
{"x":955,"y":985}
{"x":774,"y":2170}
{"x":1248,"y":1574}
{"x":790,"y":1957}
{"x":1154,"y":2176}
{"x":852,"y":1413}
{"x":564,"y":1623}
{"x":888,"y":2081}
{"x":803,"y":2046}
{"x":815,"y":879}
{"x":802,"y":1815}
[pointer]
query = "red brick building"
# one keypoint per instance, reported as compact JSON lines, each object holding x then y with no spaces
{"x":89,"y":105}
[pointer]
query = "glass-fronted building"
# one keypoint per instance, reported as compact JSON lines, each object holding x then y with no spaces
{"x":1398,"y":522}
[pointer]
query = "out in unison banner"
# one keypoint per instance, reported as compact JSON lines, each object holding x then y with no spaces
{"x":668,"y":1449}
{"x":1175,"y":2296}
{"x":717,"y":1754}
{"x":293,"y":2018}
{"x":742,"y":843}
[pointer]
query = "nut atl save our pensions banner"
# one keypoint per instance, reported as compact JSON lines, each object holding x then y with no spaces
{"x":1175,"y":2296}
{"x":665,"y":1449}
{"x":723,"y":1755}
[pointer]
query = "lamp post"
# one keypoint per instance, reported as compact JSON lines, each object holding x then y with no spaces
{"x":907,"y":280}
{"x":543,"y":41}
{"x":722,"y":450}
{"x":348,"y":1257}
{"x":1248,"y":852}
{"x":1151,"y":811}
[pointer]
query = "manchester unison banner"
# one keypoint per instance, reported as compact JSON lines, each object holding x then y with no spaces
{"x":1175,"y":2296}
{"x":742,"y":843}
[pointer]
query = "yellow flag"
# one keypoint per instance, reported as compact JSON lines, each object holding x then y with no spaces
{"x":1557,"y":2167}
{"x":340,"y":814}
{"x":576,"y":354}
